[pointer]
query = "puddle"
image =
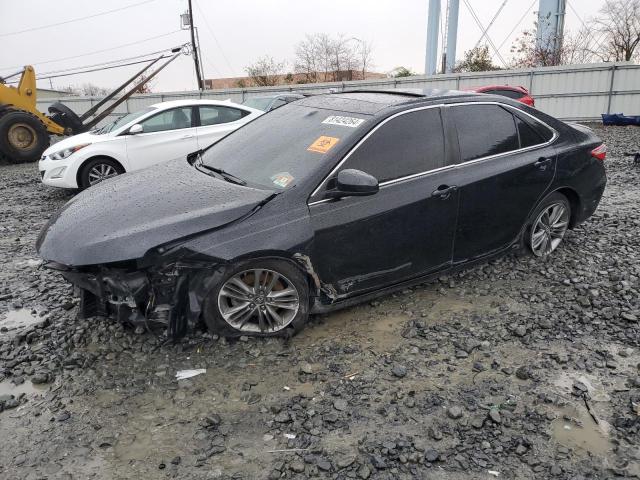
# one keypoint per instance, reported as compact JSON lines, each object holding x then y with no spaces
{"x":18,"y":319}
{"x":574,"y":428}
{"x":28,"y":388}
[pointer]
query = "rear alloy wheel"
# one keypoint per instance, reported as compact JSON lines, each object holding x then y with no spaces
{"x":266,"y":298}
{"x":98,"y":170}
{"x":550,"y":225}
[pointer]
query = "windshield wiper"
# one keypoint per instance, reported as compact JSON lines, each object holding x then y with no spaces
{"x":226,"y":175}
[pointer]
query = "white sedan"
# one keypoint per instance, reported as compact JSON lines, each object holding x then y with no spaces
{"x":159,"y":133}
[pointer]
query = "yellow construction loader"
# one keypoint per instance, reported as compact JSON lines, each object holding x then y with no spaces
{"x":25,"y":131}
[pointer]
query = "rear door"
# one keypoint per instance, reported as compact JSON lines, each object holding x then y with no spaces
{"x":217,"y":121}
{"x":505,"y":167}
{"x":404,"y":230}
{"x":165,"y":136}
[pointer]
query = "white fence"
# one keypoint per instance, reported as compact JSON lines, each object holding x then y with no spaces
{"x":575,"y":92}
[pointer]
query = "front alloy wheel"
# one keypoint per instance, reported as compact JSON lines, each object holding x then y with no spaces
{"x":264,"y":297}
{"x":258,"y":301}
{"x":549,"y":228}
{"x":101,"y":172}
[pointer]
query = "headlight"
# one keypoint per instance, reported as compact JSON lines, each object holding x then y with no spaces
{"x":62,"y":154}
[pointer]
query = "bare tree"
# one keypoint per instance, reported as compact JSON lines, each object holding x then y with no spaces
{"x":92,"y":90}
{"x":320,"y":57}
{"x":145,"y":87}
{"x":619,"y":26}
{"x":265,"y":72}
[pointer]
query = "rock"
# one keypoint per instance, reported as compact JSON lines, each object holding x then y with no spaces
{"x":629,"y":317}
{"x":283,"y":417}
{"x":454,"y":412}
{"x":431,"y":455}
{"x":520,"y":331}
{"x":399,"y":371}
{"x":40,"y":378}
{"x":297,"y":466}
{"x":11,"y":403}
{"x":340,"y":404}
{"x":306,"y":368}
{"x":324,"y":465}
{"x":64,"y":416}
{"x":494,"y":415}
{"x":363,"y":472}
{"x":523,"y":373}
{"x":345,"y":461}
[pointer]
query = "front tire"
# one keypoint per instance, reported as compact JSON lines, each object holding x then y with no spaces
{"x":265,"y":297}
{"x":23,"y":137}
{"x":96,"y":170}
{"x":549,"y":224}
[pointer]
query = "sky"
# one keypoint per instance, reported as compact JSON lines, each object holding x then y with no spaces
{"x":234,"y":34}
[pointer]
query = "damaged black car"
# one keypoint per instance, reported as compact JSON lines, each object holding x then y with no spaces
{"x":325,"y":202}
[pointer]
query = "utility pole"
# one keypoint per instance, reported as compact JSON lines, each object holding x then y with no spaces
{"x":195,"y":48}
{"x":433,"y":24}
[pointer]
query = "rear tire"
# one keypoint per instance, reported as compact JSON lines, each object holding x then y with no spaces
{"x":23,"y":137}
{"x":96,"y":170}
{"x":548,"y":225}
{"x":279,"y":306}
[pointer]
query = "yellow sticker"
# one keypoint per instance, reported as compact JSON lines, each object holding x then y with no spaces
{"x":323,"y":144}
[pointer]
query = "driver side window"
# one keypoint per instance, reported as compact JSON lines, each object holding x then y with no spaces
{"x":405,"y":145}
{"x":173,"y":119}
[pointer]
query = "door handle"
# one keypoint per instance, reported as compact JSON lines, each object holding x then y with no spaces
{"x":542,"y":163}
{"x":443,"y":191}
{"x":187,"y":136}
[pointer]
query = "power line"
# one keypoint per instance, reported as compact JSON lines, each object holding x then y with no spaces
{"x":100,"y":69}
{"x":17,"y":32}
{"x":97,"y":51}
{"x":135,"y":57}
{"x":482,"y":29}
{"x":490,"y":23}
{"x":204,"y":18}
{"x":587,"y":29}
{"x":517,"y":24}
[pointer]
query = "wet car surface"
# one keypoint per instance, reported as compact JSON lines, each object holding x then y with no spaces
{"x":323,"y":203}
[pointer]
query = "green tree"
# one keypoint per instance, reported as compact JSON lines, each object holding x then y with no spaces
{"x":400,"y":72}
{"x":476,"y":60}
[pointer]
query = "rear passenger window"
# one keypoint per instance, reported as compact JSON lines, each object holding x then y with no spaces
{"x":528,"y":136}
{"x":484,"y":130}
{"x":408,"y":144}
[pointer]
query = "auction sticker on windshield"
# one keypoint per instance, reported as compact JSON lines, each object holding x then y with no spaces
{"x":282,"y":179}
{"x":343,"y":121}
{"x":323,"y":144}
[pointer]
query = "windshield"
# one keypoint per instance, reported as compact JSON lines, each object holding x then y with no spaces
{"x":129,"y":117}
{"x":261,"y":103}
{"x":278,"y":150}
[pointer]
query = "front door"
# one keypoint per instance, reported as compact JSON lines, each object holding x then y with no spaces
{"x":404,"y":230}
{"x":165,"y":136}
{"x":506,"y":165}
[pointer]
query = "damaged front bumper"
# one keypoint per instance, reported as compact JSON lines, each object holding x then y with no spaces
{"x":170,"y":294}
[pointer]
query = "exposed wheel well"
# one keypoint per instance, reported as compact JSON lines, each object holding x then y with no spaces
{"x":93,"y":158}
{"x":574,"y":202}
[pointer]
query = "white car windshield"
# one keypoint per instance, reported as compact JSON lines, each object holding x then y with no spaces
{"x":129,"y":117}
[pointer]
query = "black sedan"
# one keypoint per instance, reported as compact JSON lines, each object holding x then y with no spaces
{"x":325,"y":202}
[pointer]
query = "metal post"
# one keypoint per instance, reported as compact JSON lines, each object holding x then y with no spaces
{"x":452,"y":34}
{"x":433,"y":26}
{"x":613,"y":74}
{"x":194,"y":48}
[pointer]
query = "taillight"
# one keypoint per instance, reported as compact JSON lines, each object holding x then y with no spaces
{"x":599,"y":152}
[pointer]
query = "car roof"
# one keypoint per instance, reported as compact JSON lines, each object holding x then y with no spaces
{"x":370,"y":102}
{"x":188,"y":102}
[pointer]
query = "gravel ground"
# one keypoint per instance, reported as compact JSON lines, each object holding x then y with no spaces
{"x":514,"y":369}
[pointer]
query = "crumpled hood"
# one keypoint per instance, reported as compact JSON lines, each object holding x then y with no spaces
{"x":122,"y":218}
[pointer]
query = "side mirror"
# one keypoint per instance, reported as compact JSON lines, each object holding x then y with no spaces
{"x":135,"y":129}
{"x":353,"y":183}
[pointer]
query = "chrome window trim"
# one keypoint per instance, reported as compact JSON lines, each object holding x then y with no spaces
{"x":446,"y":167}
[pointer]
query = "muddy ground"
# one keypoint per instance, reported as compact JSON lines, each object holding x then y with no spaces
{"x":515,"y":369}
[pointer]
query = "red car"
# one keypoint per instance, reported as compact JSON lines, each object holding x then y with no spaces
{"x":520,"y":94}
